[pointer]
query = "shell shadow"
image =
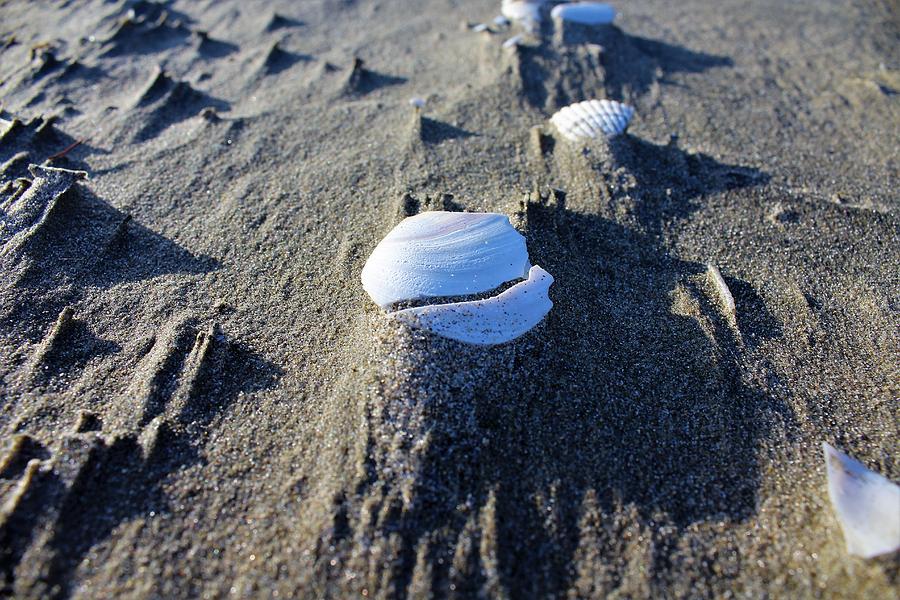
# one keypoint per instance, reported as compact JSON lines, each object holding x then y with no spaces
{"x":633,"y":395}
{"x":435,"y":132}
{"x":588,"y":62}
{"x":361,"y":80}
{"x":669,"y":179}
{"x":278,"y":59}
{"x":209,"y":47}
{"x":653,"y":407}
{"x":633,"y":63}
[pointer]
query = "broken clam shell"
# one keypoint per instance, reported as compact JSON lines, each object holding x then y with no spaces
{"x":496,"y":320}
{"x":867,"y":505}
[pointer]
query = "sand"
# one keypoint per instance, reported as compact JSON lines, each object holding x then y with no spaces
{"x":198,"y":399}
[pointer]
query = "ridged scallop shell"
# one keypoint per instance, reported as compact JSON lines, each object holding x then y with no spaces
{"x":493,"y":321}
{"x":592,"y":118}
{"x":585,"y":13}
{"x":435,"y":254}
{"x":867,"y":505}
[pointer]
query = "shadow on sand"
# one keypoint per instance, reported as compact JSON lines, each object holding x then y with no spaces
{"x":588,"y":62}
{"x":88,"y":241}
{"x":634,"y":397}
{"x":83,"y":243}
{"x":619,"y":397}
{"x":122,"y":479}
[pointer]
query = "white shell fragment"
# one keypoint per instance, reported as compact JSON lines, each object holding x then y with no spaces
{"x":592,"y":118}
{"x":526,"y":13}
{"x":585,"y":13}
{"x":445,"y":254}
{"x":514,"y":41}
{"x":417,"y":102}
{"x":867,"y":505}
{"x":493,"y":321}
{"x":721,"y":288}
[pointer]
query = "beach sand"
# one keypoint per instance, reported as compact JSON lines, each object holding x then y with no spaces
{"x":197,"y":398}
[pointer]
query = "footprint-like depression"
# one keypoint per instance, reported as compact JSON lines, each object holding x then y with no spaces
{"x":441,"y":254}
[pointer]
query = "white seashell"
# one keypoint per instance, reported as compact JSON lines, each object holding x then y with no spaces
{"x":480,"y":27}
{"x":591,"y":118}
{"x":867,"y":505}
{"x":513,"y":41}
{"x":501,"y":21}
{"x":721,"y":288}
{"x":417,"y":102}
{"x":493,"y":321}
{"x":526,"y":13}
{"x":438,"y":253}
{"x":585,"y":13}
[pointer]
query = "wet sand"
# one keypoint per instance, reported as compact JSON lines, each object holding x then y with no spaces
{"x":197,"y":398}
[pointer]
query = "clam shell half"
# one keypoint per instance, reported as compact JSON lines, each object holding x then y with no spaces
{"x":438,"y":253}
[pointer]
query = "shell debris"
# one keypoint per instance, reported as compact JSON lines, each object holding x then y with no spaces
{"x":867,"y":505}
{"x":514,"y":41}
{"x":722,"y":290}
{"x":496,"y":320}
{"x":585,"y":13}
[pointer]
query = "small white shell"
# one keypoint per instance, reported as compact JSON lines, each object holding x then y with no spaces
{"x":480,"y":27}
{"x":721,"y":288}
{"x":417,"y":102}
{"x":513,"y":41}
{"x":867,"y":505}
{"x":591,"y":118}
{"x":439,"y":253}
{"x":526,"y":13}
{"x":485,"y":322}
{"x":585,"y":13}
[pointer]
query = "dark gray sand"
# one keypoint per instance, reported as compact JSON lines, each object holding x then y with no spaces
{"x":197,"y":398}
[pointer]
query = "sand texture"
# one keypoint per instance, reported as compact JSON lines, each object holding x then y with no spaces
{"x":198,"y":399}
